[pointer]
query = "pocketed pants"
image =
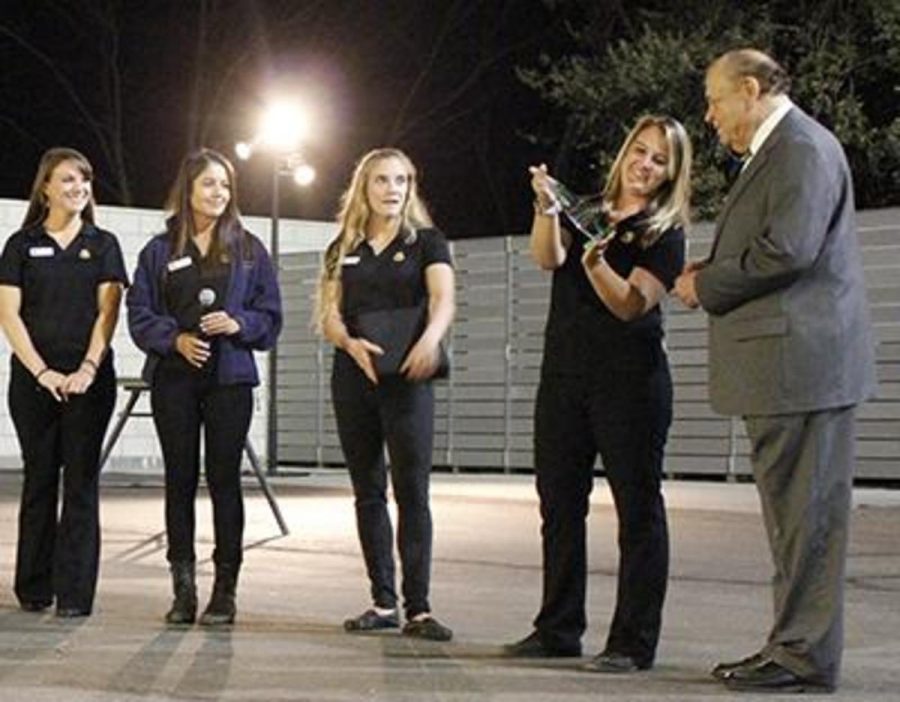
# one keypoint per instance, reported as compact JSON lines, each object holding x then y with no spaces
{"x":59,"y":556}
{"x":182,"y":400}
{"x":622,"y":411}
{"x":398,"y":414}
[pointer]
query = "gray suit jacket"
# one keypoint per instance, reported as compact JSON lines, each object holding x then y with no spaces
{"x":789,"y":327}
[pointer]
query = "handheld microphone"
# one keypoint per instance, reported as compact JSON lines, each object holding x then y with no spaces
{"x":206,"y":297}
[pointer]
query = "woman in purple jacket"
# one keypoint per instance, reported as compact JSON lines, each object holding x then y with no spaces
{"x":205,"y":296}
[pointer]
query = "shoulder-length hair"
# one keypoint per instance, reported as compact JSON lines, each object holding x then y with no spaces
{"x":353,"y":219}
{"x":37,"y":202}
{"x":228,"y":230}
{"x":670,"y":204}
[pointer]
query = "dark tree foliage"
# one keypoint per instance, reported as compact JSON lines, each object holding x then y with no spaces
{"x":625,"y":59}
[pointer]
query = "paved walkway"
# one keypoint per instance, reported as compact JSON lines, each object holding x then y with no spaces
{"x":296,"y":590}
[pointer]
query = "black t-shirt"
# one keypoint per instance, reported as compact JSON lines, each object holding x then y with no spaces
{"x":59,"y":287}
{"x":581,"y":333}
{"x":392,"y":279}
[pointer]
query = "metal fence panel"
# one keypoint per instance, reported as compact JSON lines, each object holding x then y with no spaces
{"x":484,"y":410}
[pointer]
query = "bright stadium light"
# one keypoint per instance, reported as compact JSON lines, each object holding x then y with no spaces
{"x":283,"y":126}
{"x":304,"y":174}
{"x":243,"y":150}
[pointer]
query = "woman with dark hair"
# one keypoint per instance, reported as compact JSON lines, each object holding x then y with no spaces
{"x":61,"y":280}
{"x":388,"y":262}
{"x":605,"y":389}
{"x":205,"y":296}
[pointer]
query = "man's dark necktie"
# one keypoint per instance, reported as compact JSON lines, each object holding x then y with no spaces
{"x":732,"y":167}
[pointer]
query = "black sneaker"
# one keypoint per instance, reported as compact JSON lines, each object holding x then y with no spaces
{"x":428,"y":628}
{"x":370,"y":620}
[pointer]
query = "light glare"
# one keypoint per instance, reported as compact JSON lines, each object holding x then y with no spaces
{"x":283,"y":126}
{"x":243,"y":150}
{"x":304,"y":174}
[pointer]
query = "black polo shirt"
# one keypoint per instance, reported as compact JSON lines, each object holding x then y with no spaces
{"x":393,"y":278}
{"x":581,"y":333}
{"x":59,"y":287}
{"x":185,"y":277}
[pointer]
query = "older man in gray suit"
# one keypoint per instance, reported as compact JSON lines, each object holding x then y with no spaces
{"x":791,"y":351}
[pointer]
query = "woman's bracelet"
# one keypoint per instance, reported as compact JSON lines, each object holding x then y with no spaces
{"x":91,"y":366}
{"x":37,"y":376}
{"x":551,"y":210}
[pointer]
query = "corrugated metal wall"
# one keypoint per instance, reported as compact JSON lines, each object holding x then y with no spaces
{"x":484,"y":412}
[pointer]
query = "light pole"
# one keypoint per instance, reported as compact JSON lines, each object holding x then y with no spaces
{"x":282,"y":128}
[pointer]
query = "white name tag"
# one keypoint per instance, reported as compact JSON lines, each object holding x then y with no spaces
{"x":40,"y":251}
{"x":179,"y":263}
{"x":351,"y":260}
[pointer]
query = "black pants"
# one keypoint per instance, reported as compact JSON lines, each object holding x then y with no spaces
{"x":623,"y":411}
{"x":60,"y":557}
{"x":182,"y":400}
{"x":401,"y":415}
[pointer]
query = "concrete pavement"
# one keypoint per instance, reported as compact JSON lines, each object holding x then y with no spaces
{"x":295,"y":591}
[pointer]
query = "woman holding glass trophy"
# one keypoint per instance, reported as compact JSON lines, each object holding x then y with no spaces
{"x":605,"y":387}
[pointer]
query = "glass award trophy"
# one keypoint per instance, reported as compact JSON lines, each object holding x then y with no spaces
{"x":583,"y":213}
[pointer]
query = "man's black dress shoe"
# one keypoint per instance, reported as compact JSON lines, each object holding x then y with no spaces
{"x":724,"y":670}
{"x":532,"y":647}
{"x":611,"y":662}
{"x":35,"y":605}
{"x":769,"y":676}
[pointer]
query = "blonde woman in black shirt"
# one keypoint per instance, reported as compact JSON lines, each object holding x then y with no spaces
{"x":388,"y":263}
{"x":606,"y":389}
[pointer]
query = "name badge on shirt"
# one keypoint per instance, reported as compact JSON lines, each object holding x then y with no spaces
{"x":350,"y":260}
{"x":179,"y":263}
{"x":40,"y":251}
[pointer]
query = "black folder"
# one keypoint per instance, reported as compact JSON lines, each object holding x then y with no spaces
{"x":396,"y":331}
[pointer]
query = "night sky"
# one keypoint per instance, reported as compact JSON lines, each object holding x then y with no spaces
{"x":135,"y":84}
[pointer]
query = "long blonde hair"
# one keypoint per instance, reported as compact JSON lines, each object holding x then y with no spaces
{"x":670,"y":205}
{"x":353,"y":218}
{"x":38,"y":209}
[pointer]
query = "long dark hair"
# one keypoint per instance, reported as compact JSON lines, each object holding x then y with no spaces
{"x":37,"y":202}
{"x":228,"y":231}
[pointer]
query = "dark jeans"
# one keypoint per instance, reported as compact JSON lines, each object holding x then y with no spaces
{"x":60,"y":557}
{"x":622,"y":412}
{"x":401,"y":415}
{"x":182,"y":400}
